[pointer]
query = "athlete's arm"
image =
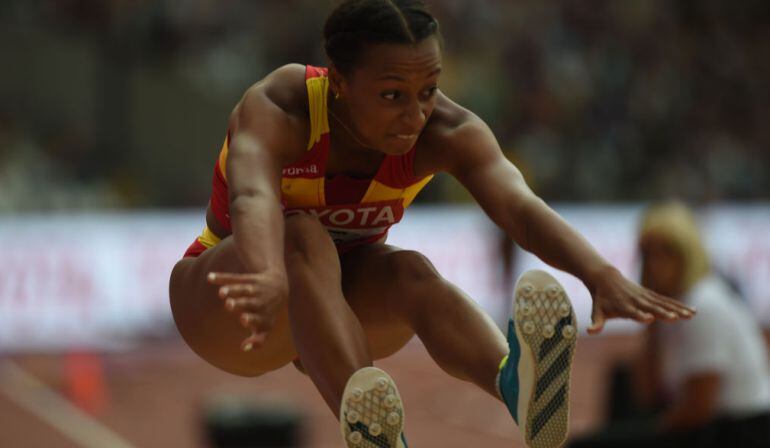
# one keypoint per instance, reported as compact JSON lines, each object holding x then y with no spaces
{"x":265,"y":135}
{"x":267,"y":132}
{"x":473,"y":156}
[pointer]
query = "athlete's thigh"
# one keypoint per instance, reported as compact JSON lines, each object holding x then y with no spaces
{"x":188,"y":282}
{"x":371,"y":287}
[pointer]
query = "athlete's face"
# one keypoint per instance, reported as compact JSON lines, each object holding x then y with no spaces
{"x":391,"y":94}
{"x":662,"y":266}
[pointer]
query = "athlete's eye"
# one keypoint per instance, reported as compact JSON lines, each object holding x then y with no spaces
{"x":430,"y":91}
{"x":391,"y":95}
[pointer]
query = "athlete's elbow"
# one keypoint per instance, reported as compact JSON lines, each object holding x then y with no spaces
{"x":248,"y":200}
{"x":514,"y":214}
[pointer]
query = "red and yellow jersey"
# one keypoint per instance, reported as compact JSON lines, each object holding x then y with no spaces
{"x":353,"y":211}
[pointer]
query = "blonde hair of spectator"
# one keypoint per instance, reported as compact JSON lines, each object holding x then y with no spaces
{"x":675,"y":223}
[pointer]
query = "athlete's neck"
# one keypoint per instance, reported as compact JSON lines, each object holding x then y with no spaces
{"x":342,"y":133}
{"x":348,"y":154}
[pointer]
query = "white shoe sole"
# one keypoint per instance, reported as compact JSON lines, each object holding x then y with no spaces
{"x":547,"y":330}
{"x":371,"y":413}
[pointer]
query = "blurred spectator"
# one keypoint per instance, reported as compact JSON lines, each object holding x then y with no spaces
{"x":700,"y":383}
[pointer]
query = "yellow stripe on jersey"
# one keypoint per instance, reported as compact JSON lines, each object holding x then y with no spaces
{"x":223,"y":159}
{"x":208,"y":238}
{"x":380,"y":192}
{"x":319,"y":120}
{"x":411,"y":191}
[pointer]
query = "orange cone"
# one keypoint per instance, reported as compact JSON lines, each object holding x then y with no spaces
{"x":84,"y":381}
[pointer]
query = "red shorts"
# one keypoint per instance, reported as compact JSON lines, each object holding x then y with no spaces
{"x":195,"y":249}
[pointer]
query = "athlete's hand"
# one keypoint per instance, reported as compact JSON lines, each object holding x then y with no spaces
{"x":616,"y":296}
{"x":255,"y":298}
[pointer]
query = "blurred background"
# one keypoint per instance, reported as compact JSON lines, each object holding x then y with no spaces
{"x":112,"y":113}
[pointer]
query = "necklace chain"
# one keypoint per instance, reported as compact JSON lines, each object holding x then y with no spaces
{"x":344,"y":126}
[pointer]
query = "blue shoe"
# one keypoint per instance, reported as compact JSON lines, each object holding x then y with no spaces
{"x":534,"y":377}
{"x":371,"y":412}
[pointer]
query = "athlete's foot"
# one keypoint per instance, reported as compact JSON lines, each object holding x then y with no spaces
{"x":372,"y":414}
{"x":534,"y":378}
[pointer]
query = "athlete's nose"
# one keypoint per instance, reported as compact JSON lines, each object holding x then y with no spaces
{"x":414,"y":116}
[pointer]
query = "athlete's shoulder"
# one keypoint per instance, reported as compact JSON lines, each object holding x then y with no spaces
{"x":448,"y":115}
{"x":451,"y":122}
{"x":451,"y":129}
{"x":276,"y":109}
{"x":285,"y":87}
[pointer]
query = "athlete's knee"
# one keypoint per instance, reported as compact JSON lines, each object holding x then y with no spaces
{"x":306,"y":239}
{"x":417,"y":286}
{"x":408,"y":267}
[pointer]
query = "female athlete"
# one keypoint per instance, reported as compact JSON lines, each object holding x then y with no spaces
{"x":317,"y":165}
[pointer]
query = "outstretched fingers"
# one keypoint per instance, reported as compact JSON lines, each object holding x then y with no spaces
{"x":254,"y":341}
{"x":617,"y":297}
{"x":597,"y":320}
{"x":242,"y":296}
{"x":239,"y":290}
{"x":639,"y":312}
{"x":257,"y":323}
{"x":678,"y":308}
{"x":226,"y":278}
{"x":245,"y":304}
{"x":656,"y":309}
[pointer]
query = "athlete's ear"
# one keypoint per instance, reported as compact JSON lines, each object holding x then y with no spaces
{"x":337,"y":82}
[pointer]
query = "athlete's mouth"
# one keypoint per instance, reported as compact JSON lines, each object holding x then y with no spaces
{"x":406,"y":136}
